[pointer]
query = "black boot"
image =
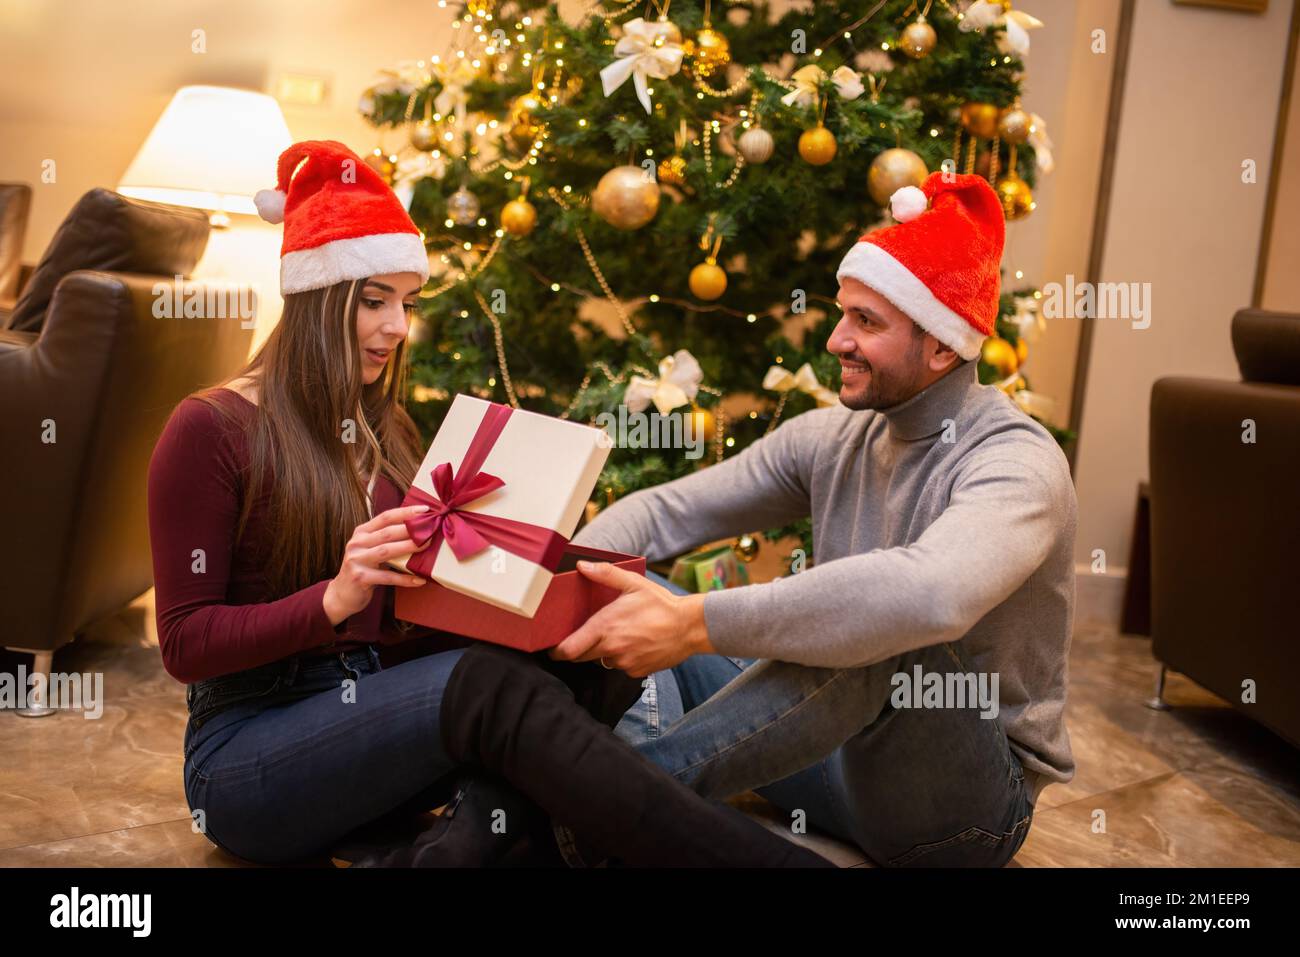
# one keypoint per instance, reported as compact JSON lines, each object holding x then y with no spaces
{"x":485,"y":820}
{"x":504,"y":713}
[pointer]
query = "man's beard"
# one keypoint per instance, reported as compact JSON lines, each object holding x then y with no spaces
{"x":886,"y":388}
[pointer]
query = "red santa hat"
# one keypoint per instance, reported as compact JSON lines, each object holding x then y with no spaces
{"x":939,"y":263}
{"x":341,"y":220}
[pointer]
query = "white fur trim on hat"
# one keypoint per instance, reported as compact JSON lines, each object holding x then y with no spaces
{"x":907,"y":203}
{"x":270,"y":205}
{"x":872,"y":266}
{"x":356,"y":258}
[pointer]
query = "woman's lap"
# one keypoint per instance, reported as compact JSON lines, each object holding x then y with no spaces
{"x":283,"y":782}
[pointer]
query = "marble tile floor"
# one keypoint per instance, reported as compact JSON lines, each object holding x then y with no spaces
{"x":1196,"y":786}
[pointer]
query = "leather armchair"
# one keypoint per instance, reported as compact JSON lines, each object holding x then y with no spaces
{"x":1225,"y":524}
{"x":88,"y":376}
{"x":15,"y":205}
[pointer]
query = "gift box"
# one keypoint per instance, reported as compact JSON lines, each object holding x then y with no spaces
{"x":709,"y":570}
{"x":569,"y":601}
{"x":505,"y":488}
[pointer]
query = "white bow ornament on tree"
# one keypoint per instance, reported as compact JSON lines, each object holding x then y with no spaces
{"x":781,"y":379}
{"x":679,"y":381}
{"x":644,"y":52}
{"x":1015,"y":24}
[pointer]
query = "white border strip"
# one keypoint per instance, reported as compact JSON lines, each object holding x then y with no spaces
{"x":356,"y":258}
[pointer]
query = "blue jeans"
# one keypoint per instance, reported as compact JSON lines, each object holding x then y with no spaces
{"x":283,"y":760}
{"x":909,"y":786}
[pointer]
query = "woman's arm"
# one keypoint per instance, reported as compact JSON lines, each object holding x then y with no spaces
{"x":194,"y":502}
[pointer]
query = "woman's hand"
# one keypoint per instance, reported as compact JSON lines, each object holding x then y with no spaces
{"x":372,"y":544}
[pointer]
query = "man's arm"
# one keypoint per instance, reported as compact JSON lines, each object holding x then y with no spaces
{"x":767,"y":484}
{"x":1002,"y":520}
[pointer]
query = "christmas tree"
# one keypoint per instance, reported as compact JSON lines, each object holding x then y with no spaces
{"x":696,"y":172}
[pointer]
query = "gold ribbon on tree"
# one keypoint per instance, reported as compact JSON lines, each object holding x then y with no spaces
{"x":781,"y":379}
{"x":644,"y":53}
{"x":679,"y":380}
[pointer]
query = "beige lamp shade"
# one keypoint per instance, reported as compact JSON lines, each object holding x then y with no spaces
{"x":212,"y":148}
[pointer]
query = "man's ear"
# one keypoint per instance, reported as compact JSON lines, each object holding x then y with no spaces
{"x":941,"y":357}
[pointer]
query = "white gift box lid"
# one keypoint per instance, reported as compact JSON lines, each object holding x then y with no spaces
{"x":549,"y":467}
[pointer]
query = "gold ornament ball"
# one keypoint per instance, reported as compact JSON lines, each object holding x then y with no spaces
{"x":708,"y":280}
{"x":625,"y":198}
{"x":918,"y":39}
{"x":424,"y":136}
{"x":756,"y":145}
{"x":701,"y":423}
{"x":518,"y":217}
{"x":817,"y":145}
{"x":1000,"y":354}
{"x":710,"y":51}
{"x":746,"y":548}
{"x":1016,"y":196}
{"x":665,"y":28}
{"x":892,"y":170}
{"x":672,"y":170}
{"x":980,"y":119}
{"x":463,"y":207}
{"x":1014,"y":125}
{"x":385,"y":166}
{"x":523,"y":127}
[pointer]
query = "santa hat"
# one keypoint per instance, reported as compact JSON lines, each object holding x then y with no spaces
{"x":939,"y":264}
{"x":341,"y":220}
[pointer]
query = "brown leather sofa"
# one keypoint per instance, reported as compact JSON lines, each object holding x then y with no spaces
{"x":84,"y":360}
{"x":1225,"y":524}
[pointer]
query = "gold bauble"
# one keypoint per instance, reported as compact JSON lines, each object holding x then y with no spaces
{"x":478,"y":7}
{"x":711,"y":52}
{"x":980,"y":119}
{"x":385,"y":166}
{"x":1022,"y":353}
{"x":518,"y":217}
{"x":746,"y":548}
{"x":892,"y":170}
{"x":918,"y":39}
{"x":1017,"y":198}
{"x":1014,"y":125}
{"x":524,"y":128}
{"x":701,"y":423}
{"x":708,"y":280}
{"x":625,"y":198}
{"x":756,"y":145}
{"x":424,"y":136}
{"x":663,"y":27}
{"x":817,"y":145}
{"x":672,"y":170}
{"x":1001,"y":355}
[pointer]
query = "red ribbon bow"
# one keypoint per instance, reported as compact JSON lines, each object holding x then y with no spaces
{"x":469,"y":532}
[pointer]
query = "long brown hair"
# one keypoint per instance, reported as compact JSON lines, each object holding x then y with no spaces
{"x":308,"y":374}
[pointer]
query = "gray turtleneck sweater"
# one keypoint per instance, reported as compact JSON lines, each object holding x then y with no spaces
{"x":950,"y":516}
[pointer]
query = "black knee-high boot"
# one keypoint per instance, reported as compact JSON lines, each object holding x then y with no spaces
{"x":503,"y":712}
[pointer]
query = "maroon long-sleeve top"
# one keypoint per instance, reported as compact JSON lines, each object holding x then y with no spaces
{"x":218,"y":616}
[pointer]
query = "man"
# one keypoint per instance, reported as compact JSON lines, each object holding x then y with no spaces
{"x":910,"y":688}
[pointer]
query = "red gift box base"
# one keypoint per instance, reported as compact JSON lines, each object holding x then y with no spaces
{"x":570,"y":600}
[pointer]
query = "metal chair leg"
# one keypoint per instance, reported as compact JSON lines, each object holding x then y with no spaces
{"x":1157,"y":702}
{"x":37,"y":703}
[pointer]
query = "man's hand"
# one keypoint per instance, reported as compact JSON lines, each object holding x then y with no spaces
{"x":646,"y":629}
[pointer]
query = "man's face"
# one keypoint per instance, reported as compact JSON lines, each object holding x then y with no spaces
{"x":885,"y":358}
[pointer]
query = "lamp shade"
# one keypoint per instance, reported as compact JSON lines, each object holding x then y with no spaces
{"x":212,"y":148}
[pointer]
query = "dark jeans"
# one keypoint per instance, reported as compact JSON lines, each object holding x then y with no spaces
{"x":283,"y":760}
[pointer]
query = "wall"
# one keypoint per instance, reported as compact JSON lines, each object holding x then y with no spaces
{"x":1201,"y":96}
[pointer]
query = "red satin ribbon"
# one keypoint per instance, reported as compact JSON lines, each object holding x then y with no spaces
{"x":469,"y":532}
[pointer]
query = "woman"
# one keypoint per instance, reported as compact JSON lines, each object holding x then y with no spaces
{"x":273,"y":506}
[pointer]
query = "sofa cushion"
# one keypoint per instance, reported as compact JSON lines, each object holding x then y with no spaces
{"x":109,"y":232}
{"x":1267,"y":345}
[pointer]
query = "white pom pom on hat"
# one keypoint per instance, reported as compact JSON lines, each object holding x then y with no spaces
{"x":270,"y":205}
{"x":907,"y":203}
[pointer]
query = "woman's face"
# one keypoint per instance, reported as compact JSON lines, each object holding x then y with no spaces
{"x":383,"y":312}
